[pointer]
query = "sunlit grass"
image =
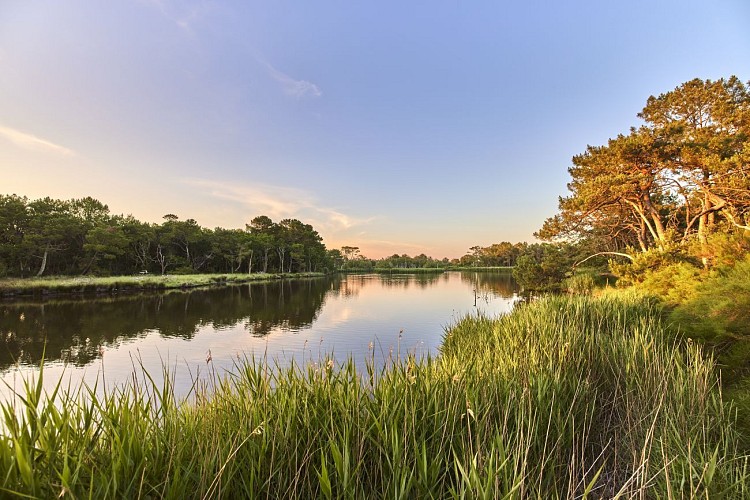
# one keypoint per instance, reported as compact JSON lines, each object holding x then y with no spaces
{"x":563,"y":398}
{"x":85,"y":284}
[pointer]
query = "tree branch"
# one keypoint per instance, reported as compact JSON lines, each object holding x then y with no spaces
{"x":603,"y":253}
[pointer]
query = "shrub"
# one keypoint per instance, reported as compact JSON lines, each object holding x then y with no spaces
{"x":719,"y":308}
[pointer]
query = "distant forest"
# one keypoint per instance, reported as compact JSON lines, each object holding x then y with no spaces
{"x":81,"y":236}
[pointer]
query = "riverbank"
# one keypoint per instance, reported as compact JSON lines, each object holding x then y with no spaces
{"x":62,"y":285}
{"x":395,"y":270}
{"x":564,"y":397}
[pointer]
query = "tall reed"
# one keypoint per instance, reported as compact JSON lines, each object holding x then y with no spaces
{"x":563,"y":398}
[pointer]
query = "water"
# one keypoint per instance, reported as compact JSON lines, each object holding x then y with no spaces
{"x":104,"y":341}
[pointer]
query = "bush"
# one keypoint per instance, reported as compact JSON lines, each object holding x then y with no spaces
{"x":674,"y":283}
{"x":723,"y":249}
{"x":545,"y":273}
{"x":719,"y":308}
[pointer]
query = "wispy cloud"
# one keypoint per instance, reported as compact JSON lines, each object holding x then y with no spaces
{"x":280,"y":203}
{"x":30,"y":141}
{"x":184,"y":16}
{"x":296,"y":88}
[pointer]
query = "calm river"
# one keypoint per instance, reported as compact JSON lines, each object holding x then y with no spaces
{"x":197,"y":332}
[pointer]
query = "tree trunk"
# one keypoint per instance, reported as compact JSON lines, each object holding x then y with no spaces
{"x":91,"y":263}
{"x":703,"y":225}
{"x":44,"y":261}
{"x":704,"y":222}
{"x":656,"y":221}
{"x":281,"y":252}
{"x":161,"y":259}
{"x":642,"y":237}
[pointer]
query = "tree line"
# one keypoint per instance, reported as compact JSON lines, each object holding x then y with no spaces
{"x":504,"y":254}
{"x":81,"y":236}
{"x":349,"y":258}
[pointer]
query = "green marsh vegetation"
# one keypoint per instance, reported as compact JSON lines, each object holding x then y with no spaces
{"x":114,"y":284}
{"x":564,"y":397}
{"x":665,"y":209}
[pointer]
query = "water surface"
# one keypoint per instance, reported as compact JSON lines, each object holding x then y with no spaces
{"x":369,"y":316}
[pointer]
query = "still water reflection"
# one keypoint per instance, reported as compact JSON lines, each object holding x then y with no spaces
{"x":363,"y":316}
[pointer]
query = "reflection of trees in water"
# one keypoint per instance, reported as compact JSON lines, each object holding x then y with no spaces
{"x":406,"y":281}
{"x":500,"y":283}
{"x":353,"y":283}
{"x":289,"y":305}
{"x":74,"y":329}
{"x":350,"y":286}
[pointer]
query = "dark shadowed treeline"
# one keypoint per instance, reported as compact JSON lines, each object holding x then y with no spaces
{"x":81,"y":236}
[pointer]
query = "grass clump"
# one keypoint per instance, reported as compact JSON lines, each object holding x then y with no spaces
{"x":565,"y":397}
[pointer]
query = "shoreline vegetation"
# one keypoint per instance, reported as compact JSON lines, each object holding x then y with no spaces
{"x":563,"y":397}
{"x":84,"y":285}
{"x":64,"y":285}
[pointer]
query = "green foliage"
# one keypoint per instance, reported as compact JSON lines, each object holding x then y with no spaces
{"x":405,"y":261}
{"x":673,"y":283}
{"x":563,"y":398}
{"x":580,"y":284}
{"x":720,"y":307}
{"x":670,"y":275}
{"x":48,"y":236}
{"x":722,"y":249}
{"x":502,"y":254}
{"x":680,"y":177}
{"x":544,"y":267}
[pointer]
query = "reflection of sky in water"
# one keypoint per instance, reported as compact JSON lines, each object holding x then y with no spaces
{"x":397,"y":314}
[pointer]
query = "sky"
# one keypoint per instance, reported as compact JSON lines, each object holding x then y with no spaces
{"x":398,"y":127}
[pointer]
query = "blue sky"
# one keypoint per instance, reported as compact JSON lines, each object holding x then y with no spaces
{"x":398,"y":127}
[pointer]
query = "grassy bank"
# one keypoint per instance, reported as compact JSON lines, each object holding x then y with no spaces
{"x":565,"y":397}
{"x":409,"y":270}
{"x":57,"y":285}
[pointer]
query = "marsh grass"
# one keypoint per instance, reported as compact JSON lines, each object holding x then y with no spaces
{"x":563,"y":398}
{"x":113,"y":284}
